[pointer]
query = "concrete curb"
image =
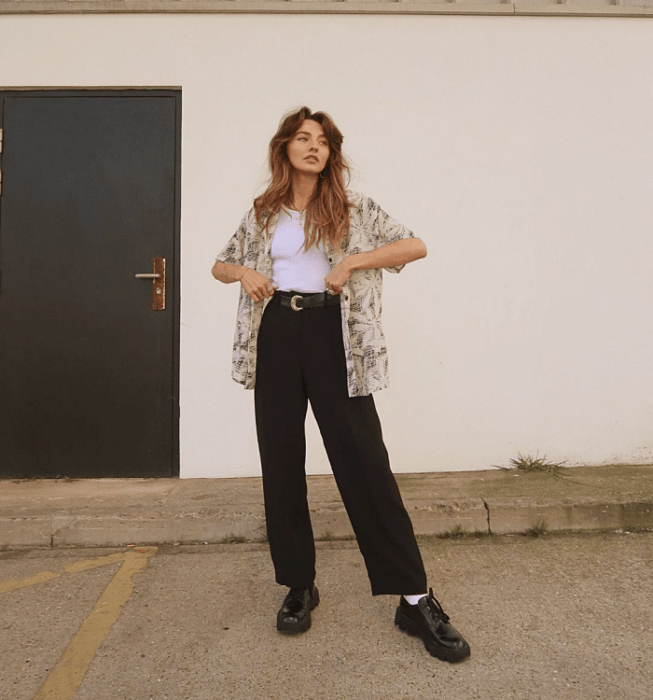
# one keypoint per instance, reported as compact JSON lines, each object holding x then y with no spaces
{"x":498,"y":516}
{"x":118,"y":512}
{"x":515,"y":516}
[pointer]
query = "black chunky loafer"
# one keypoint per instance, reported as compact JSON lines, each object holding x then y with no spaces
{"x":428,"y":621}
{"x":295,"y":613}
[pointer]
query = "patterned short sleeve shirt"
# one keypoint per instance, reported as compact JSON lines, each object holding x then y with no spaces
{"x":360,"y":302}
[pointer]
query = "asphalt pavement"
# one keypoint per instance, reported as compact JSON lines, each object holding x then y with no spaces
{"x":163,"y":589}
{"x":561,"y":616}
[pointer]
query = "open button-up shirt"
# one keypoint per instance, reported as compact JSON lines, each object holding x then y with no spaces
{"x":360,"y":302}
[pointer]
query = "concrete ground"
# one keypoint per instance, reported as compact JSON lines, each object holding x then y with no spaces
{"x":116,"y":512}
{"x":549,"y":618}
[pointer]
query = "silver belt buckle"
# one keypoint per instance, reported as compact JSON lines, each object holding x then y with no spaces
{"x":293,"y":303}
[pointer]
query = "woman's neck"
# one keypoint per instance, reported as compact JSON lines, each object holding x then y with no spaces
{"x":303,"y":189}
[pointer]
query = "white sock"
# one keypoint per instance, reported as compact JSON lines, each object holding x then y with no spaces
{"x":414,"y":599}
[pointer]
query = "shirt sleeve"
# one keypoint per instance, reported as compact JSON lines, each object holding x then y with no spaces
{"x":234,"y":252}
{"x":386,"y":229}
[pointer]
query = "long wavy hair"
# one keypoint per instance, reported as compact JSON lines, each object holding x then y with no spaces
{"x":327,"y":214}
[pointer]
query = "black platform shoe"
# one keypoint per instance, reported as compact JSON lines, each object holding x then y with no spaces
{"x":295,"y":613}
{"x":428,"y":621}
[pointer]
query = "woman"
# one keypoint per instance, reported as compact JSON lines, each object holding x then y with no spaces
{"x":309,"y":256}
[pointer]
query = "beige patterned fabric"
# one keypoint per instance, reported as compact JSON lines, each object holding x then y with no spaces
{"x":365,"y":348}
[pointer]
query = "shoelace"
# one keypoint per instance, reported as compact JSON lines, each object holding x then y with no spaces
{"x":294,"y":600}
{"x":435,"y":609}
{"x":296,"y":594}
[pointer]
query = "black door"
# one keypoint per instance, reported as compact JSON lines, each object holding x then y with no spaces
{"x":88,"y":370}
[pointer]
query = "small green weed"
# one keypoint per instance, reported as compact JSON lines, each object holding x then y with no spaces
{"x":455,"y":533}
{"x":458,"y":532}
{"x":330,"y":536}
{"x":540,"y":527}
{"x":528,"y":463}
{"x":480,"y":533}
{"x":234,"y":539}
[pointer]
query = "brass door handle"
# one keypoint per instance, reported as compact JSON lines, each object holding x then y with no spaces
{"x":158,"y":277}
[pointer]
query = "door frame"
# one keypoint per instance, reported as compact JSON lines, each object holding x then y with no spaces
{"x":173,"y":272}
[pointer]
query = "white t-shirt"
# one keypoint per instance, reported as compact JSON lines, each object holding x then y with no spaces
{"x":293,"y":268}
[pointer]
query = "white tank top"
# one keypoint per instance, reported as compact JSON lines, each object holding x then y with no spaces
{"x":293,"y":268}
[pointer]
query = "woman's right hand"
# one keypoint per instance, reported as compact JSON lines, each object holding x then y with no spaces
{"x":256,"y":285}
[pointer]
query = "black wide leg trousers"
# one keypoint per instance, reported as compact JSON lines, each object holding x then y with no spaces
{"x":301,"y":358}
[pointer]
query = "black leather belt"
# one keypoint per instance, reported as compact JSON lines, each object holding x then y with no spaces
{"x":298,"y":301}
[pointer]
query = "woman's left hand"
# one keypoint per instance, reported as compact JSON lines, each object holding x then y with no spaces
{"x":336,"y":279}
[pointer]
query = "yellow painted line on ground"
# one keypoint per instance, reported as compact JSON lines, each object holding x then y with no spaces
{"x":41,"y":577}
{"x":74,"y":568}
{"x":65,"y":678}
{"x":87,"y":564}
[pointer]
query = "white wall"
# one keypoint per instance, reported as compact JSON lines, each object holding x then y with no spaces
{"x":519,"y":149}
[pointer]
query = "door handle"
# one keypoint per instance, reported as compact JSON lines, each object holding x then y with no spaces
{"x":158,"y":277}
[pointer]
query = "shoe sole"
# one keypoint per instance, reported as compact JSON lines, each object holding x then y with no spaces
{"x":453,"y":656}
{"x":300,"y":625}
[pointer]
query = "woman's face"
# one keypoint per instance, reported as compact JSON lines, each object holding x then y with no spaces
{"x":308,"y":150}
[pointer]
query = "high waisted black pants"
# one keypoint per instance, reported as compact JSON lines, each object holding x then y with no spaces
{"x":301,"y":358}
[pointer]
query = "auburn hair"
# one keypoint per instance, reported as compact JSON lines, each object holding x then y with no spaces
{"x":327,"y":214}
